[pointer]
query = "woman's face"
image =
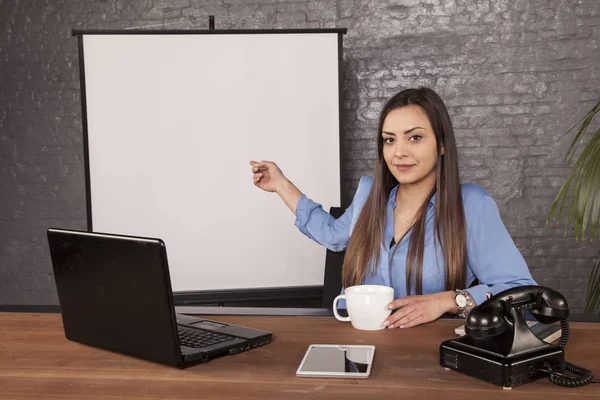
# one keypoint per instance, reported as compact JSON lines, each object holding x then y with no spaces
{"x":409,"y":144}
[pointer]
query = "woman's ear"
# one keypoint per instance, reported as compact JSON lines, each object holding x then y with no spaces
{"x":442,"y":150}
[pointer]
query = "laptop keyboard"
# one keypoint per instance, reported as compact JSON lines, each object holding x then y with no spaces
{"x":198,"y":339}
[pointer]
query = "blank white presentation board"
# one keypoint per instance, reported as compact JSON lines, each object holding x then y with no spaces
{"x":172,"y":123}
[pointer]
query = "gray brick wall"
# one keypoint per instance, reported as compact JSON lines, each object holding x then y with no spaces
{"x":515,"y":75}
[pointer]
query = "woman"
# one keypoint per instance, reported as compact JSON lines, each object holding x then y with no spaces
{"x":413,"y":226}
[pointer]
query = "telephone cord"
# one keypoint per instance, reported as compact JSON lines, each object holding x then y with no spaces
{"x":556,"y":377}
{"x":564,"y":336}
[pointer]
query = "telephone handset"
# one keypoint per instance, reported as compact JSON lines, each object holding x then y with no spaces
{"x":500,"y":348}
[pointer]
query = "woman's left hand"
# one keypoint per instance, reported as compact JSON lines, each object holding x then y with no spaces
{"x":419,"y":309}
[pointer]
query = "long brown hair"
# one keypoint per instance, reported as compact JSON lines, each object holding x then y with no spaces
{"x":449,"y":223}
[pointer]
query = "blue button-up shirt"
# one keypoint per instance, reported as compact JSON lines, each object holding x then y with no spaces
{"x":492,"y":256}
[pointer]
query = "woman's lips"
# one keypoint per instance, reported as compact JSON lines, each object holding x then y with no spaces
{"x":404,"y":168}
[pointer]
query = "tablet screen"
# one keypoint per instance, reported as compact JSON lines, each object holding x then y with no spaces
{"x":351,"y":361}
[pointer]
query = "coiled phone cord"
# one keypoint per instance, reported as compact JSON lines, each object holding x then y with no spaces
{"x":556,"y":377}
{"x":564,"y":334}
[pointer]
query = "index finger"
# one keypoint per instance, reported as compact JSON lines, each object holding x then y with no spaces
{"x":261,"y":164}
{"x":399,"y":302}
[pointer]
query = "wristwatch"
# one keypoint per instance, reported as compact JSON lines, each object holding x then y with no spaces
{"x":463,"y":301}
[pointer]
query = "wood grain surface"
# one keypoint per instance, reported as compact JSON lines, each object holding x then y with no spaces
{"x":37,"y":361}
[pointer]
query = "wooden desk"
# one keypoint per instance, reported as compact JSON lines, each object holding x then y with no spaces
{"x":37,"y":361}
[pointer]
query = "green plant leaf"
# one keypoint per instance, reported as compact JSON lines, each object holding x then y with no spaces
{"x":581,"y":188}
{"x":585,"y":123}
{"x":593,"y":292}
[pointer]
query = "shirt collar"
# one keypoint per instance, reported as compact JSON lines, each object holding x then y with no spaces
{"x":393,"y":197}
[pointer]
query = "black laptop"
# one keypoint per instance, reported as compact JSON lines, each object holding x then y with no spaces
{"x":115,"y":294}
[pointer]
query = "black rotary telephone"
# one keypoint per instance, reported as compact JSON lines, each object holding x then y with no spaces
{"x":500,"y":348}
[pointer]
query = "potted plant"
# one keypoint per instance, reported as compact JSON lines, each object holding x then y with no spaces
{"x":581,"y":190}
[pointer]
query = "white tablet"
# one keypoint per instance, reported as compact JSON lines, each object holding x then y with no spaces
{"x":337,"y":361}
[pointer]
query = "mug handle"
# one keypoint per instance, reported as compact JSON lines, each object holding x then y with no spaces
{"x":335,"y":312}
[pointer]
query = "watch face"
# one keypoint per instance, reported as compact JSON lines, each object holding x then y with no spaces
{"x":461,"y":300}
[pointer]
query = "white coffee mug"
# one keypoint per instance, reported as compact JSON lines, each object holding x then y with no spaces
{"x":367,"y":306}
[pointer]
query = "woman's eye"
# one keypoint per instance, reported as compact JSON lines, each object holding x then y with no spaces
{"x":388,"y":140}
{"x":415,"y":138}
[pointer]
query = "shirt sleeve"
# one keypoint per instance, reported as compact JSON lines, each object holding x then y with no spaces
{"x":492,"y":254}
{"x":322,"y":227}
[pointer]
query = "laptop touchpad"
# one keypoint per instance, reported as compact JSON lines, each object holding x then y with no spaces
{"x":208,"y":324}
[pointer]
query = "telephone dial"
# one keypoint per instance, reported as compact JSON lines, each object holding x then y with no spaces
{"x":500,"y":348}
